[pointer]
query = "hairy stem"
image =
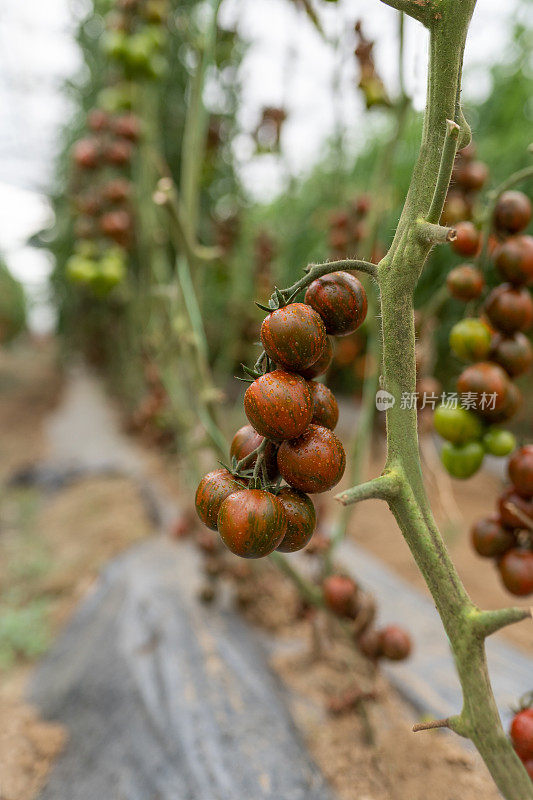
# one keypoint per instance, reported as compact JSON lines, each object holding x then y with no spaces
{"x":398,"y":274}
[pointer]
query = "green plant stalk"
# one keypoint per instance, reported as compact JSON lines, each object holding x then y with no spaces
{"x":402,"y":485}
{"x":196,"y":124}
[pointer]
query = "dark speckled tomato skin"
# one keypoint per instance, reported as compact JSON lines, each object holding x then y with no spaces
{"x":252,"y":523}
{"x":516,"y":570}
{"x":521,"y":470}
{"x":314,"y":462}
{"x":245,"y":441}
{"x":212,"y":491}
{"x":325,"y":408}
{"x":301,"y":519}
{"x":294,"y":336}
{"x":341,"y":301}
{"x":279,"y":405}
{"x":322,"y":365}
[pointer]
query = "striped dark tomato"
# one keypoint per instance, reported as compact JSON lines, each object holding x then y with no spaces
{"x":279,"y":405}
{"x":301,"y":519}
{"x":485,"y":379}
{"x":212,"y":491}
{"x":294,"y":336}
{"x":325,"y":408}
{"x":514,"y":260}
{"x":252,"y":523}
{"x":322,"y":365}
{"x":516,"y":570}
{"x":510,"y":308}
{"x":245,"y":441}
{"x":521,"y":470}
{"x":513,"y":353}
{"x":314,"y":462}
{"x":341,"y":301}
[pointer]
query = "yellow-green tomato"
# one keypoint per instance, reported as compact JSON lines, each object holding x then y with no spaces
{"x":114,"y":44}
{"x":498,"y":442}
{"x":80,"y":269}
{"x":470,"y":339}
{"x":462,"y":460}
{"x":457,"y":425}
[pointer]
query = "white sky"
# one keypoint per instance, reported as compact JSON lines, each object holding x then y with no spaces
{"x":287,"y":63}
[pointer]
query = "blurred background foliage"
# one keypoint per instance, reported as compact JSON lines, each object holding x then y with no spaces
{"x":262,"y":243}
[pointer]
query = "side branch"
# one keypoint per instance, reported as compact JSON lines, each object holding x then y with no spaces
{"x":386,"y":487}
{"x":449,"y":150}
{"x":429,"y":233}
{"x":455,"y":724}
{"x":421,"y":10}
{"x":488,"y":622}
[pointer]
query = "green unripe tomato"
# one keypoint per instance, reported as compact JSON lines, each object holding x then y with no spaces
{"x":462,"y":460}
{"x":498,"y":442}
{"x":80,"y":269}
{"x":113,"y":44}
{"x":116,"y":98}
{"x":457,"y":425}
{"x":470,"y":340}
{"x":139,"y":50}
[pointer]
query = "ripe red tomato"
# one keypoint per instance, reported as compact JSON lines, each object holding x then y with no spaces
{"x":513,"y":212}
{"x":369,"y":644}
{"x":510,"y":498}
{"x":513,"y":353}
{"x":322,"y":365}
{"x":513,"y":401}
{"x":314,"y":462}
{"x":116,"y":224}
{"x":521,"y":470}
{"x":509,"y":308}
{"x":341,"y":301}
{"x":212,"y":491}
{"x":86,"y":153}
{"x":465,"y":283}
{"x":325,"y":408}
{"x":522,"y":733}
{"x":128,"y":126}
{"x":97,"y":120}
{"x":252,"y":523}
{"x":516,"y":570}
{"x":395,"y":643}
{"x":301,"y":519}
{"x":468,"y":239}
{"x":119,"y":152}
{"x":340,"y":595}
{"x":486,"y":379}
{"x":279,"y":405}
{"x":471,"y":175}
{"x":490,"y":539}
{"x":514,"y":260}
{"x":294,"y":336}
{"x":245,"y":441}
{"x":118,"y":190}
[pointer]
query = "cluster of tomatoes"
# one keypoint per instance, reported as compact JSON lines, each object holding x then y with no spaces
{"x":101,"y":196}
{"x":495,"y":341}
{"x":507,"y":536}
{"x":290,"y":435}
{"x":522,"y":734}
{"x":135,"y":37}
{"x":344,"y":598}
